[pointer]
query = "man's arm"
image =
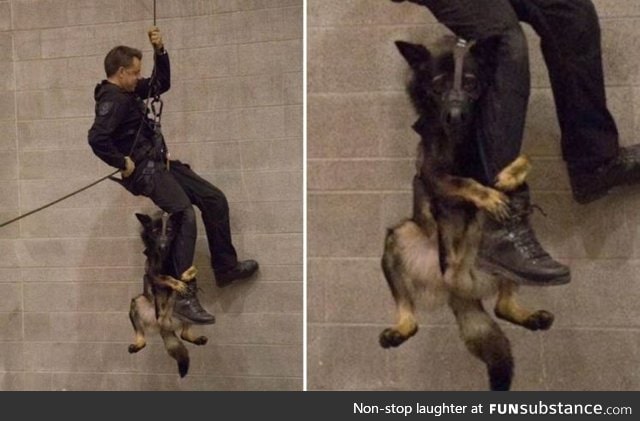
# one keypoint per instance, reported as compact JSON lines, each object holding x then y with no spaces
{"x":109,"y":115}
{"x":162,"y":68}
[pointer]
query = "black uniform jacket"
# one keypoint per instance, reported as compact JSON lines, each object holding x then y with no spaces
{"x":118,"y":115}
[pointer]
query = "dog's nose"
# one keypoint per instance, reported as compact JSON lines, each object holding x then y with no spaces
{"x":454,"y":116}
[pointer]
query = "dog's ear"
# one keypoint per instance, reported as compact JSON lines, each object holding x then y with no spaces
{"x":415,"y":54}
{"x":145,"y":220}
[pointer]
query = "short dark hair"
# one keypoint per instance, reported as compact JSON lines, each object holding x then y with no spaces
{"x":120,"y":56}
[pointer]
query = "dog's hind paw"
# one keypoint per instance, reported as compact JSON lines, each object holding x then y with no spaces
{"x":133,"y":348}
{"x":540,"y":320}
{"x":200,"y":340}
{"x":391,"y":337}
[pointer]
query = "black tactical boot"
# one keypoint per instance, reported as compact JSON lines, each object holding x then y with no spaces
{"x":511,"y":249}
{"x":243,"y":269}
{"x":589,"y":184}
{"x":188,"y":307}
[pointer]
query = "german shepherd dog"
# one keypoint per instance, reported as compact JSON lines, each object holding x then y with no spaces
{"x":152,"y":310}
{"x":431,"y":257}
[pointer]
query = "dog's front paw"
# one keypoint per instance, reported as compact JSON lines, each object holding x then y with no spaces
{"x":180,"y":287}
{"x":189,"y":274}
{"x":506,"y":181}
{"x":514,"y":175}
{"x":496,"y":203}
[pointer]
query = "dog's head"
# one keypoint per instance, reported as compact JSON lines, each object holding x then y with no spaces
{"x":447,"y":82}
{"x":157,"y":234}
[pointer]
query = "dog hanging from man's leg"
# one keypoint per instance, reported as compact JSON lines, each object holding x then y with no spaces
{"x":124,"y":137}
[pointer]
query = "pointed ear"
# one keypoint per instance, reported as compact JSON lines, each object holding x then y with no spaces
{"x":415,"y":54}
{"x":145,"y":220}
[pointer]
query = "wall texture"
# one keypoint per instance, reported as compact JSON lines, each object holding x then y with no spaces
{"x":67,"y":274}
{"x":361,"y":153}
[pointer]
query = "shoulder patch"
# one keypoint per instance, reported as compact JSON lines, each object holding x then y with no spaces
{"x":105,"y":108}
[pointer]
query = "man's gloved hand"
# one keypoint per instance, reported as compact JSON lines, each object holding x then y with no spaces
{"x":155,"y":37}
{"x":129,"y":167}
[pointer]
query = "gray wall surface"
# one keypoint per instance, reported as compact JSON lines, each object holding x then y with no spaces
{"x":67,"y":274}
{"x":360,"y":163}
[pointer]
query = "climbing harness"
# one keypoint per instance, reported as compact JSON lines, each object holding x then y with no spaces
{"x":154,"y":107}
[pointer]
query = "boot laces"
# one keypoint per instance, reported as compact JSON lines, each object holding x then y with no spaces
{"x":523,"y":235}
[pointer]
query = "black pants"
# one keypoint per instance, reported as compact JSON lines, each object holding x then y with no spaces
{"x":570,"y":40}
{"x":175,"y":191}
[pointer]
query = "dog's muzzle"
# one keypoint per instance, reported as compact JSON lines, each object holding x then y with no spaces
{"x":456,"y":108}
{"x":163,"y":241}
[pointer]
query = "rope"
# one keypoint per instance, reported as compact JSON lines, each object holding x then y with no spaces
{"x":60,"y":199}
{"x":135,"y":141}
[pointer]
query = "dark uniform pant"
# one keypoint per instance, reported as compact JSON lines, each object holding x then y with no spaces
{"x":570,"y":40}
{"x":175,"y":191}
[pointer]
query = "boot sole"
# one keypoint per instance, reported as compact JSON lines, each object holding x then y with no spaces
{"x":193,"y":322}
{"x":586,"y":199}
{"x":602,"y":192}
{"x":505,"y":273}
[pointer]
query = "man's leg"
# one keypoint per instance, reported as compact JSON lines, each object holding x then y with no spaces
{"x":163,"y":189}
{"x":509,"y":246}
{"x":215,"y":214}
{"x":570,"y":39}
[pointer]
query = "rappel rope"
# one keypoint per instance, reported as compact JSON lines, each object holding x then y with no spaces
{"x":157,"y":114}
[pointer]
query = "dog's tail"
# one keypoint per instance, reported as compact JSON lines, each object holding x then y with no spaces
{"x":484,"y":339}
{"x":176,"y":349}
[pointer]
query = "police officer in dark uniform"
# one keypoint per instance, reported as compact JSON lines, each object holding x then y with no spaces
{"x":570,"y":40}
{"x":125,"y":137}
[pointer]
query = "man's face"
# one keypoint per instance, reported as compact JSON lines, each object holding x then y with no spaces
{"x":129,"y":76}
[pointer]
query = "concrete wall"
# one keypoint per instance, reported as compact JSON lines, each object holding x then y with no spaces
{"x":67,"y":274}
{"x":361,"y":152}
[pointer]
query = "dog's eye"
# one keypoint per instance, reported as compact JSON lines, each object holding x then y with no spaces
{"x":469,"y":83}
{"x":439,"y":84}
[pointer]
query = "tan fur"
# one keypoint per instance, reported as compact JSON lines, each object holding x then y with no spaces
{"x":514,"y":175}
{"x":145,"y":320}
{"x":411,"y":266}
